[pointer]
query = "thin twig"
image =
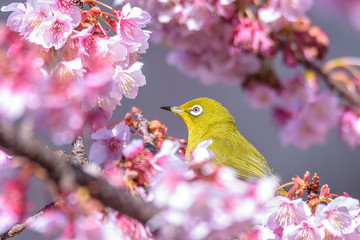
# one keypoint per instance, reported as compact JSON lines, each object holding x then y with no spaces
{"x":68,"y":176}
{"x":143,"y":128}
{"x":78,"y":157}
{"x":336,"y":86}
{"x":18,"y":228}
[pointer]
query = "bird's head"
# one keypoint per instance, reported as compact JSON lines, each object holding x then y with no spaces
{"x":200,"y":113}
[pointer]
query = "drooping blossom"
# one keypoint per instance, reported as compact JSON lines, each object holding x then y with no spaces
{"x":109,"y":144}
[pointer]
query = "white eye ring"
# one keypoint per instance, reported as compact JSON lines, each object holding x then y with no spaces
{"x":196,"y":110}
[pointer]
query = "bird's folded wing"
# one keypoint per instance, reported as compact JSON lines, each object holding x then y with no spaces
{"x":249,"y":167}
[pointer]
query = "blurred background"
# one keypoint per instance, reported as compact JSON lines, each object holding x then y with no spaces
{"x":336,"y":164}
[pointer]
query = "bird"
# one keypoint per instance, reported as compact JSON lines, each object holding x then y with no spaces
{"x":206,"y":119}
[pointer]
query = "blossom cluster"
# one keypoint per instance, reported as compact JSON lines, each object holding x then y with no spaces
{"x":68,"y":71}
{"x":304,"y":113}
{"x":198,"y":199}
{"x":235,"y":43}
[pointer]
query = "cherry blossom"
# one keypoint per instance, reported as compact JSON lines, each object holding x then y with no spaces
{"x":127,"y":81}
{"x":109,"y":144}
{"x":260,"y":96}
{"x":337,"y":217}
{"x":305,"y":230}
{"x":282,"y":212}
{"x":350,"y":128}
{"x":78,"y":69}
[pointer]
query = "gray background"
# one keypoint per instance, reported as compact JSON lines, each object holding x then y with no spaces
{"x":335,"y":163}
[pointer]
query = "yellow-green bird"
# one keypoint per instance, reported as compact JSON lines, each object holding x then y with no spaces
{"x":208,"y":119}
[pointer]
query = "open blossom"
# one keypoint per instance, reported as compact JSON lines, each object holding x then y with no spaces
{"x":167,"y":155}
{"x":282,"y":212}
{"x":127,"y":81}
{"x":76,"y":73}
{"x":109,"y":144}
{"x":338,"y":216}
{"x":40,"y":22}
{"x":55,"y":30}
{"x":304,"y":230}
{"x":130,"y":23}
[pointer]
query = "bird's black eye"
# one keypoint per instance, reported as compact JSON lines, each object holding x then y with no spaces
{"x":196,"y":110}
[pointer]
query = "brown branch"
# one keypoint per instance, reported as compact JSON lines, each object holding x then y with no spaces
{"x":78,"y":157}
{"x":68,"y":176}
{"x":18,"y":228}
{"x":143,"y":128}
{"x":336,"y":86}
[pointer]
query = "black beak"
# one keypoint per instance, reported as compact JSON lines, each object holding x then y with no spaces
{"x":167,"y":108}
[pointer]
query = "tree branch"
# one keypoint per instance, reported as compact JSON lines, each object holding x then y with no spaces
{"x":67,"y":176}
{"x":336,"y":86}
{"x":18,"y":228}
{"x":143,"y":128}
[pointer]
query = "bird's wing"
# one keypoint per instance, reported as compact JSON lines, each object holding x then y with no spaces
{"x":242,"y":156}
{"x":249,"y":167}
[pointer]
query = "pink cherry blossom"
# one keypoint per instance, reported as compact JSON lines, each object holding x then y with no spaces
{"x":127,"y":81}
{"x":312,"y":122}
{"x":133,"y":148}
{"x":55,"y":30}
{"x":109,"y":144}
{"x":304,"y":230}
{"x":283,"y":212}
{"x":167,"y":156}
{"x":68,"y":7}
{"x":321,"y":111}
{"x":201,"y":153}
{"x":302,"y":134}
{"x":197,"y":15}
{"x":280,"y":10}
{"x":260,"y":96}
{"x":295,"y":93}
{"x":130,"y":23}
{"x":337,"y":217}
{"x":94,"y":89}
{"x":92,"y":49}
{"x":14,"y":21}
{"x":350,"y":128}
{"x":248,"y":36}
